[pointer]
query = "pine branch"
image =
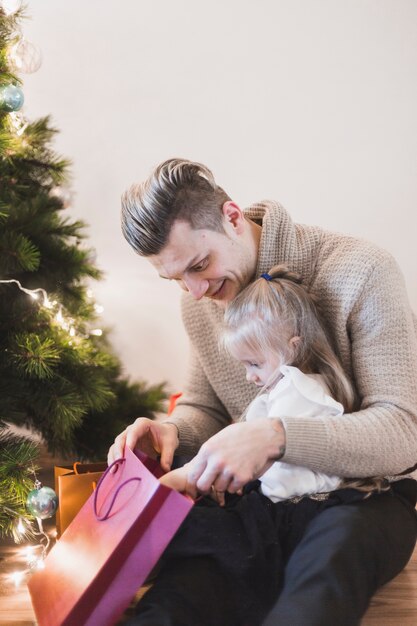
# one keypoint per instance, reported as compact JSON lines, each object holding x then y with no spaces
{"x":17,"y":459}
{"x":35,"y":357}
{"x":17,"y":254}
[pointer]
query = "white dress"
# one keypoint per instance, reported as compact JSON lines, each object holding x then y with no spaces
{"x":295,"y":395}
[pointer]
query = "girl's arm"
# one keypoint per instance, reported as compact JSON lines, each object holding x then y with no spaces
{"x":178,"y":479}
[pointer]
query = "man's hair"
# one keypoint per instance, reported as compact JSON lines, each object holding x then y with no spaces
{"x":176,"y":190}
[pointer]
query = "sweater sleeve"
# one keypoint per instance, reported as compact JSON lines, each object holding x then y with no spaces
{"x":379,"y":439}
{"x":199,"y":413}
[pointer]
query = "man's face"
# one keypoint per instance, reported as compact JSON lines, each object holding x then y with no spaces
{"x":207,"y":263}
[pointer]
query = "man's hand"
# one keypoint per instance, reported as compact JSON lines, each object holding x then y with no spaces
{"x":236,"y":455}
{"x":151,"y":437}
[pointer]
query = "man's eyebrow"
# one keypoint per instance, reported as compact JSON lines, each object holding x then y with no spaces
{"x":193,"y":261}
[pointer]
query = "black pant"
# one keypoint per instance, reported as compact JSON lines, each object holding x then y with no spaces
{"x":322,"y":560}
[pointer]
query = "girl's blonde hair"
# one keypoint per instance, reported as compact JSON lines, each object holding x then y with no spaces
{"x":272,"y":310}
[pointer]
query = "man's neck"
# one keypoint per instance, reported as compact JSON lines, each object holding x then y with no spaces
{"x":255,"y":232}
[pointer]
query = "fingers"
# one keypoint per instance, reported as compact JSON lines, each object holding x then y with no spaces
{"x":191,"y":491}
{"x":168,"y":443}
{"x":151,"y":437}
{"x":236,"y":486}
{"x":206,"y":475}
{"x":116,"y":450}
{"x":188,"y":489}
{"x":166,"y":460}
{"x":196,"y":469}
{"x":129,"y":437}
{"x":223,"y":481}
{"x":134,"y":432}
{"x":218,"y":496}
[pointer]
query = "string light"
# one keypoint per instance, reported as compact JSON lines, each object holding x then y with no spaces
{"x":20,"y":528}
{"x":18,"y":123}
{"x":33,"y":560}
{"x":17,"y":577}
{"x":34,"y":555}
{"x":66,"y":323}
{"x":31,"y":292}
{"x":10,"y":6}
{"x":29,"y":553}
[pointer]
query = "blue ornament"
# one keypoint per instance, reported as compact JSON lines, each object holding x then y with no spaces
{"x":11,"y":98}
{"x":42,"y":502}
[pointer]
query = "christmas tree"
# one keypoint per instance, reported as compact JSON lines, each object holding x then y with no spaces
{"x":58,"y":375}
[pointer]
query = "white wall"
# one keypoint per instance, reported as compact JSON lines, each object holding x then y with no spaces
{"x":311,"y":102}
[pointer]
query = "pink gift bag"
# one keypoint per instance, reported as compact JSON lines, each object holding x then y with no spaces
{"x":106,"y":553}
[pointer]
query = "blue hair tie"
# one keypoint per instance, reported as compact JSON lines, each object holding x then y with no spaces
{"x":266,"y":276}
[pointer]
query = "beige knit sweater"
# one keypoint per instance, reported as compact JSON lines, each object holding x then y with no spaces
{"x":365,"y":305}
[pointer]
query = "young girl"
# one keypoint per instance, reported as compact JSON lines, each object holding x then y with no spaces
{"x":273,"y":328}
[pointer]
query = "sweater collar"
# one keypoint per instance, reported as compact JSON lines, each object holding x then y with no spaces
{"x":284,"y":242}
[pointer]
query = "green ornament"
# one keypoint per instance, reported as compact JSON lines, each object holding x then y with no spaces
{"x":11,"y":98}
{"x":42,"y":502}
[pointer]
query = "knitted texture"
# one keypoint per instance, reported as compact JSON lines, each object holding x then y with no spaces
{"x":366,"y":310}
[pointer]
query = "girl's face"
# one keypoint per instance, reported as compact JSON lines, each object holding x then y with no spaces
{"x":261,"y":369}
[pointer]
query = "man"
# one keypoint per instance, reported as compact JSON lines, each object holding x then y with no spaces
{"x":192,"y":232}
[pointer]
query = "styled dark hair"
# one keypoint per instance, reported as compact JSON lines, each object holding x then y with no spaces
{"x":176,"y":190}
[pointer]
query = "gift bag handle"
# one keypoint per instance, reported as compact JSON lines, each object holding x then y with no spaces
{"x":101,"y":518}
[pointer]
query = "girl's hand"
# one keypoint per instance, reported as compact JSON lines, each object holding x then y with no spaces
{"x":218,"y":496}
{"x":178,"y":479}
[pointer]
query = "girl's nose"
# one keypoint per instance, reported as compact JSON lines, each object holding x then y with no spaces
{"x":251,"y":377}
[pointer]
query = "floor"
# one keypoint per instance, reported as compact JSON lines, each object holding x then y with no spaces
{"x":393,"y":605}
{"x":396,"y":603}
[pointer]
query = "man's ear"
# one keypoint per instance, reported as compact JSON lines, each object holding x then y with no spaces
{"x":233,"y":214}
